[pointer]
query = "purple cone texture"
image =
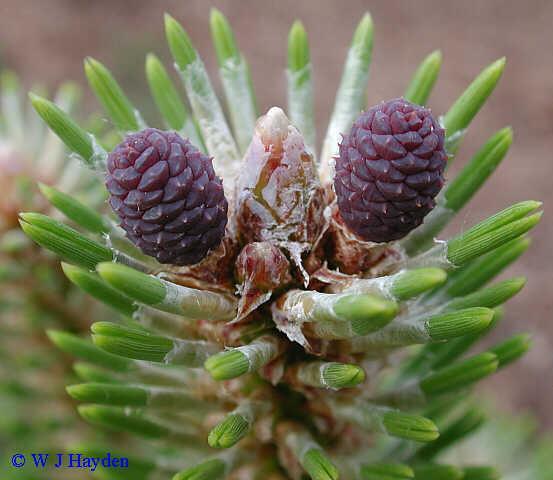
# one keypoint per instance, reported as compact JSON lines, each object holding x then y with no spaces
{"x":171,"y":204}
{"x":389,"y":169}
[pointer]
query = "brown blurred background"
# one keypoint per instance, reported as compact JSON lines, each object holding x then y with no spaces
{"x":46,"y":40}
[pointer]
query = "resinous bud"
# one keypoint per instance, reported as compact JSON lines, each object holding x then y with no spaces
{"x":279,"y":196}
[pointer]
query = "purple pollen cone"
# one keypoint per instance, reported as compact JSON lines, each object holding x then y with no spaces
{"x":389,"y":169}
{"x":171,"y":204}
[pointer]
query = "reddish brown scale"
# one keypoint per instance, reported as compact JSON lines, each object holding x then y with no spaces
{"x":261,"y":269}
{"x":264,"y":265}
{"x":215,"y":272}
{"x":171,"y":204}
{"x":389,"y":169}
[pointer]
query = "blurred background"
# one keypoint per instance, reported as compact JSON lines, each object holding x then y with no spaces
{"x":46,"y":41}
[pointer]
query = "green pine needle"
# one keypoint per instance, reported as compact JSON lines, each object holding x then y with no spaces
{"x":512,"y":349}
{"x":411,"y":283}
{"x":92,"y":284}
{"x":493,"y":232}
{"x":147,"y":289}
{"x":121,"y":419}
{"x":481,"y":270}
{"x":227,"y":365}
{"x":460,"y":190}
{"x":69,"y":244}
{"x":424,"y":79}
{"x":180,"y":44}
{"x":209,"y":470}
{"x":76,"y":211}
{"x":87,"y":351}
{"x":437,"y":472}
{"x":433,"y":355}
{"x":139,"y":286}
{"x":109,"y":394}
{"x":350,"y":97}
{"x":236,"y":80}
{"x":74,"y":137}
{"x":165,"y":93}
{"x":223,"y":38}
{"x":463,"y":187}
{"x":130,"y":343}
{"x":363,"y":38}
{"x":318,"y":466}
{"x":366,"y":313}
{"x":9,"y":82}
{"x":229,"y":432}
{"x":204,"y":101}
{"x":459,"y":375}
{"x":463,"y":251}
{"x":481,"y":473}
{"x":300,"y":85}
{"x":503,"y":218}
{"x":111,"y":96}
{"x":489,"y":297}
{"x":460,"y":428}
{"x":387,"y":471}
{"x":162,"y":398}
{"x":458,"y":323}
{"x":409,"y":426}
{"x":11,"y":113}
{"x":342,"y":375}
{"x":465,"y":108}
{"x":91,"y":373}
{"x":298,"y":48}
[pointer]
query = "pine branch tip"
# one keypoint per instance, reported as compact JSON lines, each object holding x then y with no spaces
{"x":227,"y":365}
{"x":229,"y":432}
{"x":343,"y":375}
{"x":318,"y":466}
